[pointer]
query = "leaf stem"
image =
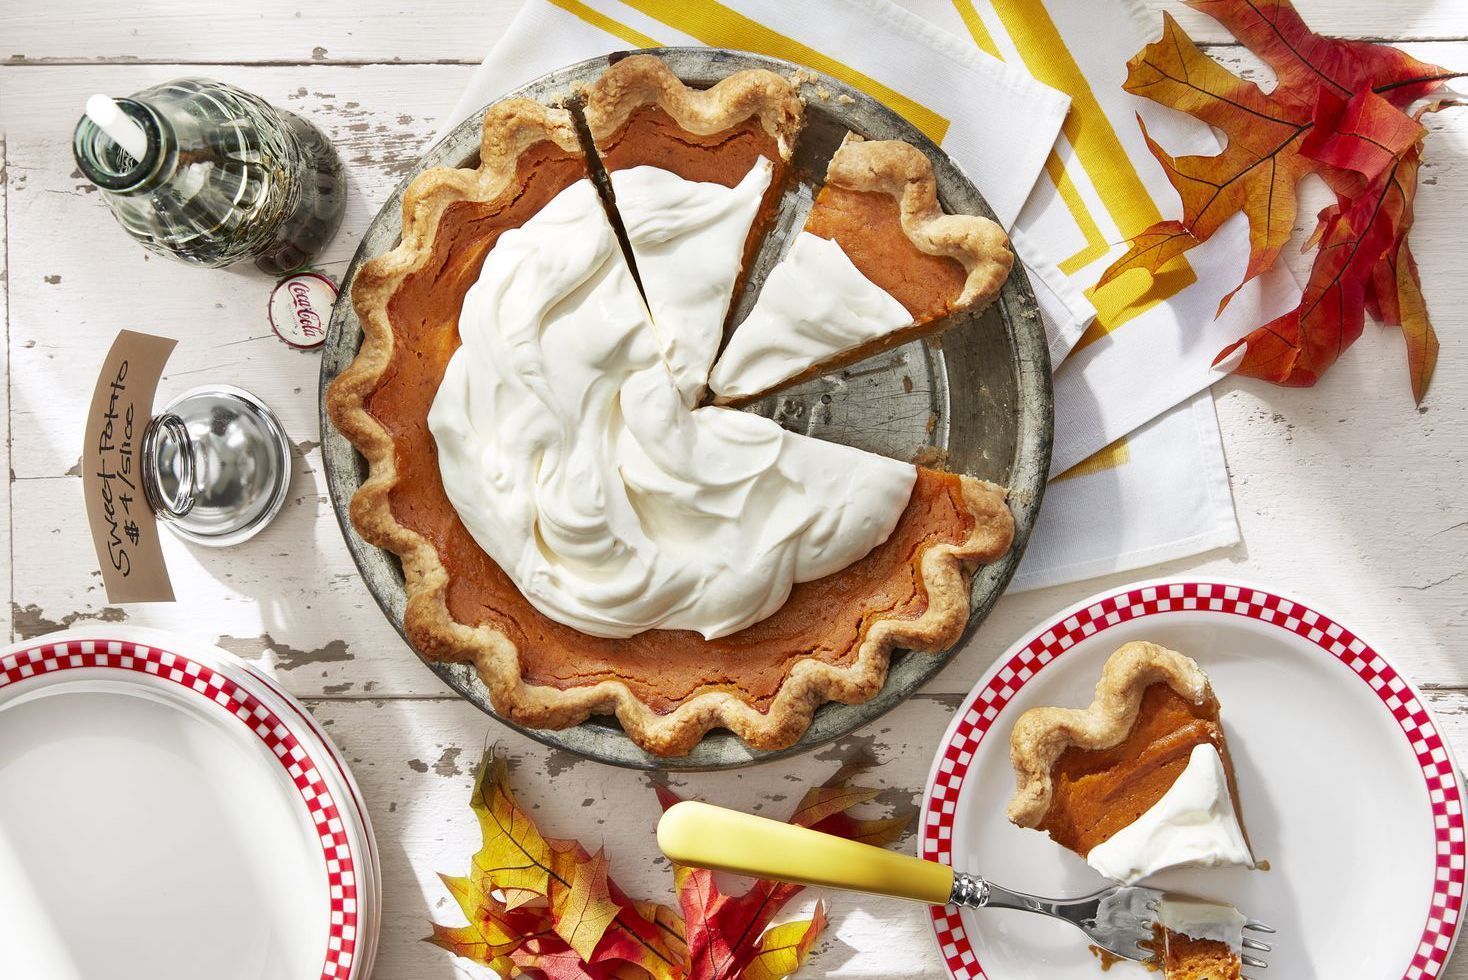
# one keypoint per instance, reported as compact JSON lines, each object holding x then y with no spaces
{"x":1420,"y":80}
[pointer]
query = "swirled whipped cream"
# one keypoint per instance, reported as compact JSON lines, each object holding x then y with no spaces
{"x":688,"y":240}
{"x":1194,"y":824}
{"x":814,"y":306}
{"x":569,"y":454}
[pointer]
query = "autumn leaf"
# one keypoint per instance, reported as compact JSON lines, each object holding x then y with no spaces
{"x":546,"y":908}
{"x":1297,"y":347}
{"x":1303,"y":60}
{"x":827,"y":808}
{"x":582,"y":911}
{"x":1337,"y":111}
{"x":1412,"y":316}
{"x":514,"y":859}
{"x":784,"y":948}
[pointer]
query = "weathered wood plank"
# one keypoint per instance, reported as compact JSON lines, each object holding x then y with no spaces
{"x":463,"y":30}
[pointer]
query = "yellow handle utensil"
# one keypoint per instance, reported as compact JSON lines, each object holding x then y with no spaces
{"x":703,"y":836}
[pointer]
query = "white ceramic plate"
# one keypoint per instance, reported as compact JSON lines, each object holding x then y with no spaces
{"x":1348,"y":790}
{"x":160,"y":820}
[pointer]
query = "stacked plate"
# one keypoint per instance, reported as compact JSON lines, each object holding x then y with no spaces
{"x":167,"y":811}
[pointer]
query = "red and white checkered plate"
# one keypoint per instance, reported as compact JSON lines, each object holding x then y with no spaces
{"x":1348,"y":788}
{"x":160,"y":819}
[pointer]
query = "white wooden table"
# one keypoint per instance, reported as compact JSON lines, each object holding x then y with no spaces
{"x":1346,"y":493}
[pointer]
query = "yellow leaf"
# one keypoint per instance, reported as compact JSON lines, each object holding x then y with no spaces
{"x":581,"y":906}
{"x":784,"y":948}
{"x":514,"y":859}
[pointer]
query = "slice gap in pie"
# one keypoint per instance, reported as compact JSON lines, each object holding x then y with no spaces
{"x":1198,"y":940}
{"x":569,"y":524}
{"x":1139,"y":781}
{"x":696,"y":176}
{"x":878,"y":264}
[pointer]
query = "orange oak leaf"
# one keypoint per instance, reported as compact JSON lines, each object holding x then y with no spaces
{"x":827,"y":808}
{"x":1255,"y":173}
{"x":1336,"y":110}
{"x":493,"y":932}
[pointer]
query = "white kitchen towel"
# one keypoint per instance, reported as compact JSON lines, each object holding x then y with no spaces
{"x":1000,"y":126}
{"x":1161,"y":494}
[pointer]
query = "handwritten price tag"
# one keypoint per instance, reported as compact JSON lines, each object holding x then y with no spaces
{"x":124,"y":530}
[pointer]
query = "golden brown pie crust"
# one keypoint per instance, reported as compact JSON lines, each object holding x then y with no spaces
{"x":1084,"y":773}
{"x":831,"y":641}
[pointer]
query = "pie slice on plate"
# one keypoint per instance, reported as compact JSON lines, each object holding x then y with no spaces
{"x":567,"y":520}
{"x":695,"y":176}
{"x":1139,"y":781}
{"x":878,"y":264}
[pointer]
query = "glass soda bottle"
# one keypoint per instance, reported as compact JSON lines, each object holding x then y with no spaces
{"x":209,"y":174}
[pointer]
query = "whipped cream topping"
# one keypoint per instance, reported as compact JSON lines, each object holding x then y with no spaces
{"x":1208,"y":921}
{"x":814,"y":306}
{"x":687,"y":241}
{"x":569,"y":454}
{"x":1194,"y":824}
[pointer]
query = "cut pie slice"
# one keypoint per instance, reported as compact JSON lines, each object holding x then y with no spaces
{"x":695,"y":176}
{"x":1199,"y":940}
{"x":878,"y":264}
{"x":1139,"y":781}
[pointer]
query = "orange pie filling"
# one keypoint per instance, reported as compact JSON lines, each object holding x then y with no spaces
{"x":1097,"y":792}
{"x":825,"y":619}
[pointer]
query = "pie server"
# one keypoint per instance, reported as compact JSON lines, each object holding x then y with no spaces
{"x":1119,"y":919}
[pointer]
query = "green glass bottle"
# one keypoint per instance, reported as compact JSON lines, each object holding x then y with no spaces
{"x":215,"y":175}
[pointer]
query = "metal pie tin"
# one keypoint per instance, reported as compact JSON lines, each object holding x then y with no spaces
{"x":976,"y":399}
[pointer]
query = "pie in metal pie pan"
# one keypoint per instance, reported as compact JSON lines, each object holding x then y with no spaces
{"x":976,"y":402}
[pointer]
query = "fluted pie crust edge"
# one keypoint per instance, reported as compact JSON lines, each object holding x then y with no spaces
{"x":905,"y":173}
{"x":1042,"y":735}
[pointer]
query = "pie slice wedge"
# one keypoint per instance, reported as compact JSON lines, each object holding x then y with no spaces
{"x":878,"y":264}
{"x":1139,"y":781}
{"x":695,"y":177}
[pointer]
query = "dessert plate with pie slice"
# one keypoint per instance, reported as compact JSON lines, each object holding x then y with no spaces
{"x":683,"y":409}
{"x":1289,"y":742}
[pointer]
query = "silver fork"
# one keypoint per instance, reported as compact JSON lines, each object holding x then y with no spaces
{"x":1119,"y":920}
